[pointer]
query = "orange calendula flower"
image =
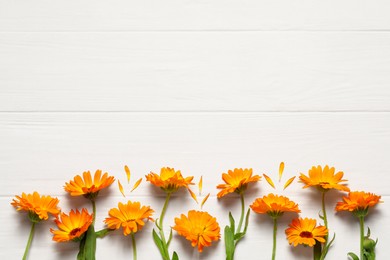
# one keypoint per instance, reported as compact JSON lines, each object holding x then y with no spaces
{"x":129,"y":216}
{"x":72,"y":226}
{"x":274,"y":205}
{"x":358,"y":202}
{"x":324,"y":179}
{"x":236,"y":181}
{"x":169,"y":180}
{"x":304,"y":231}
{"x":199,"y":227}
{"x":86,"y":186}
{"x":38,"y":206}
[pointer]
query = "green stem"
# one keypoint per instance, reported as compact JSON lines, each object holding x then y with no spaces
{"x":164,"y":209}
{"x":30,"y":238}
{"x":317,"y":251}
{"x":242,"y":213}
{"x":324,"y":249}
{"x":161,"y":228}
{"x":324,"y":210}
{"x":134,"y":246}
{"x":274,"y":238}
{"x":361,"y":220}
{"x":93,"y":210}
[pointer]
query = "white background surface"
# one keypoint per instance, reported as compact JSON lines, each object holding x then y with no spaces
{"x":201,"y":86}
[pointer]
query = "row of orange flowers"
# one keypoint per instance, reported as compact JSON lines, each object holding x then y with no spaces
{"x":199,"y":227}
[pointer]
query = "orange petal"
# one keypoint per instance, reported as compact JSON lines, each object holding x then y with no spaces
{"x":268,"y":179}
{"x":136,"y":185}
{"x":204,"y":200}
{"x":281,"y":169}
{"x":200,"y":185}
{"x":121,"y":188}
{"x":127,"y":170}
{"x":193,"y":195}
{"x":288,"y":182}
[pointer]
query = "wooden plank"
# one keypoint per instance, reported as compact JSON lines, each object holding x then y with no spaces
{"x":199,"y":71}
{"x":57,"y":146}
{"x":122,"y":15}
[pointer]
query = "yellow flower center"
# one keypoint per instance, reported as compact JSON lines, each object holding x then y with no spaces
{"x":306,"y":234}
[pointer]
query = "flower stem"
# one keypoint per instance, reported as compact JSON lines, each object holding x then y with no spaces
{"x":317,"y":251}
{"x":160,"y":227}
{"x":134,"y":246}
{"x":274,"y":238}
{"x":30,"y":238}
{"x":324,"y":248}
{"x":361,"y":220}
{"x":164,"y":209}
{"x":242,"y":213}
{"x":324,"y":210}
{"x":93,"y":210}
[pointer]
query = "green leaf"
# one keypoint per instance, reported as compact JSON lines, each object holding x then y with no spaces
{"x":169,"y":238}
{"x":331,"y":242}
{"x":368,"y":232}
{"x":156,"y":223}
{"x":369,"y":255}
{"x":159,"y":243}
{"x":102,"y":233}
{"x":326,"y":248}
{"x":246,"y":221}
{"x":231,"y":219}
{"x":353,"y":256}
{"x":175,"y":256}
{"x":229,"y":243}
{"x":238,"y":236}
{"x":90,"y":244}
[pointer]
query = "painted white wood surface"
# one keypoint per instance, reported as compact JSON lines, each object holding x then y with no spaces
{"x":195,"y":71}
{"x":122,"y":15}
{"x":202,"y":86}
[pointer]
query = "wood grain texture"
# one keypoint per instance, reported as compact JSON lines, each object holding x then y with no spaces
{"x":122,"y":15}
{"x":259,"y":71}
{"x":55,"y":146}
{"x":45,"y":150}
{"x":202,"y":86}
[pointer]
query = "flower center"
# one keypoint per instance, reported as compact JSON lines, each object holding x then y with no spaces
{"x":74,"y":231}
{"x":306,"y":234}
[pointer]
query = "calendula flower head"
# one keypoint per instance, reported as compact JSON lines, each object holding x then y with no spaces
{"x":236,"y":181}
{"x":324,"y":179}
{"x":86,"y":186}
{"x":73,"y":226}
{"x":130,"y":217}
{"x":274,"y":205}
{"x":305,"y":232}
{"x":358,"y":202}
{"x":199,"y":227}
{"x":37,"y":206}
{"x":169,"y":180}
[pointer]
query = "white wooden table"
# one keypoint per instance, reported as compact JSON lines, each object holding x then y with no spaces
{"x":201,"y":86}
